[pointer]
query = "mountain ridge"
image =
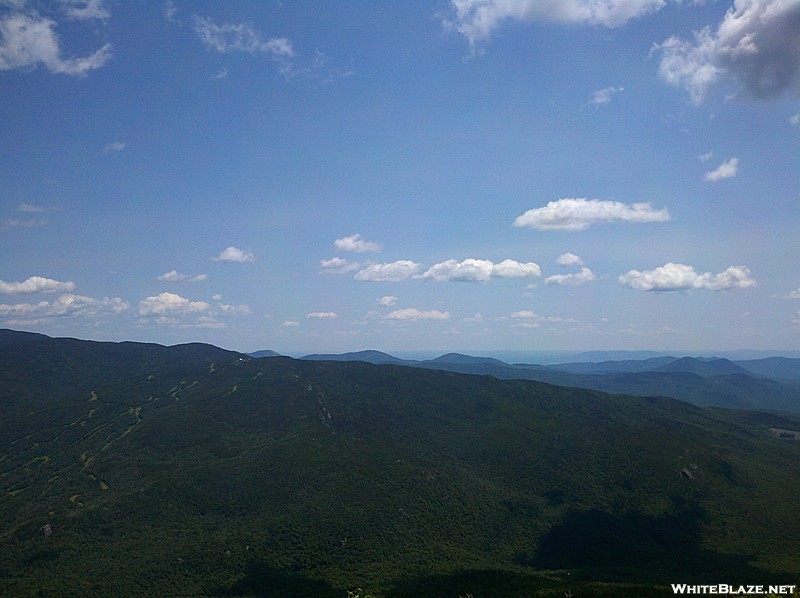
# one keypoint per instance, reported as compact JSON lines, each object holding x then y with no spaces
{"x":229,"y":475}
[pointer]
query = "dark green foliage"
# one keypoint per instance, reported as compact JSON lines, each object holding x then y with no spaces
{"x":192,"y":470}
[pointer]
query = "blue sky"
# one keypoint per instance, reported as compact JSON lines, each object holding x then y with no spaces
{"x":472,"y":175}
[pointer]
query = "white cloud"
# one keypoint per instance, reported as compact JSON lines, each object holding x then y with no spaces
{"x":36,"y":284}
{"x":726,"y":170}
{"x":172,"y":304}
{"x":792,"y":295}
{"x":82,"y":10}
{"x":290,"y":324}
{"x":525,"y":314}
{"x":756,"y":47}
{"x":411,"y":314}
{"x":794,"y":120}
{"x":170,"y":11}
{"x":357,"y":244}
{"x":114,"y":146}
{"x":242,"y":37}
{"x":389,"y":272}
{"x":337,"y":265}
{"x":569,"y":259}
{"x":705,"y":157}
{"x":322,"y":315}
{"x":578,"y":214}
{"x":477,"y":19}
{"x":234,"y":310}
{"x":232,"y":254}
{"x":31,"y":209}
{"x":387,"y":301}
{"x":67,"y":304}
{"x":585,"y":275}
{"x":680,"y":277}
{"x":174,"y":276}
{"x":475,"y":319}
{"x":603,"y":96}
{"x":27,"y":40}
{"x":473,"y":270}
{"x":30,"y":222}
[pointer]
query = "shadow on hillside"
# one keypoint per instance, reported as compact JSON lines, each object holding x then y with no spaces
{"x":263,"y":580}
{"x":632,"y":547}
{"x":493,"y":583}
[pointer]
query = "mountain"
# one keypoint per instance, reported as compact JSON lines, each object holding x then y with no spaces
{"x":606,"y":367}
{"x":779,"y":368}
{"x":189,"y":470}
{"x":707,"y":382}
{"x":374,"y":357}
{"x":264,"y":353}
{"x":703,"y":367}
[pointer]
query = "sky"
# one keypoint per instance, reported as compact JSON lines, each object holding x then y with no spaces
{"x":473,"y":175}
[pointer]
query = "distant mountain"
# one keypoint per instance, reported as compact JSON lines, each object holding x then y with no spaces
{"x":703,"y":367}
{"x":707,"y":382}
{"x":374,"y":357}
{"x":607,"y":367}
{"x":264,"y":353}
{"x":140,"y":469}
{"x":597,"y":356}
{"x":779,"y":368}
{"x":467,"y":359}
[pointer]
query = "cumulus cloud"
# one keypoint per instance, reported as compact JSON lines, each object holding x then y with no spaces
{"x":114,"y":146}
{"x":174,"y":276}
{"x":290,"y":324}
{"x":410,"y":314}
{"x":756,"y":47}
{"x":36,"y":284}
{"x":67,"y":304}
{"x":233,"y":310}
{"x":477,"y":19}
{"x":578,"y":214}
{"x":170,"y":304}
{"x":232,"y":254}
{"x":337,"y":265}
{"x":726,"y":170}
{"x":603,"y":96}
{"x":680,"y":277}
{"x":389,"y":272}
{"x":26,"y":40}
{"x":569,"y":259}
{"x":82,"y":10}
{"x":794,"y":120}
{"x":357,"y":244}
{"x":705,"y":157}
{"x":387,"y":301}
{"x":473,"y":270}
{"x":585,"y":275}
{"x":322,"y":315}
{"x":524,"y":314}
{"x":242,"y":37}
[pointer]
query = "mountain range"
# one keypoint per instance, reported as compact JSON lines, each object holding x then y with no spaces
{"x":132,"y":468}
{"x":766,"y":384}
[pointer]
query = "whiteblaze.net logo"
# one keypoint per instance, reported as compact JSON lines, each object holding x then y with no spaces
{"x":724,"y":589}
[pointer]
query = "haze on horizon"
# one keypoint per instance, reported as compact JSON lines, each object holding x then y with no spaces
{"x":472,"y":175}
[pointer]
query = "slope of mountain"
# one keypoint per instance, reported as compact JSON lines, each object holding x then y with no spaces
{"x":264,"y":353}
{"x":779,"y":368}
{"x":609,"y":367}
{"x":709,"y":382}
{"x":191,"y":470}
{"x":374,"y":357}
{"x":703,"y":367}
